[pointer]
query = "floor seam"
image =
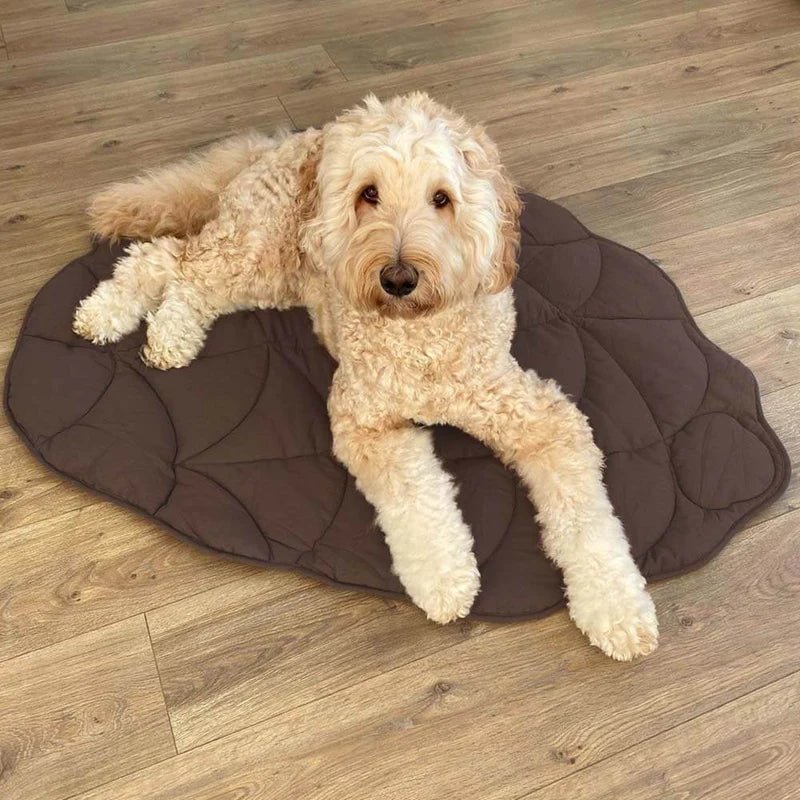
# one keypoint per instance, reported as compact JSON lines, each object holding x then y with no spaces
{"x":116,"y":621}
{"x":160,"y":683}
{"x":333,"y":60}
{"x":286,"y":111}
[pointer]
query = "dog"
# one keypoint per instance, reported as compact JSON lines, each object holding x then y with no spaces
{"x":397,"y":227}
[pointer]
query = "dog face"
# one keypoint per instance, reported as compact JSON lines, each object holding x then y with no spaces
{"x":413,"y":211}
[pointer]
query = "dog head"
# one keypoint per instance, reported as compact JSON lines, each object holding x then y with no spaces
{"x":412,"y":211}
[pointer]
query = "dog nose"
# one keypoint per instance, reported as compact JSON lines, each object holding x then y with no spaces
{"x":399,"y":279}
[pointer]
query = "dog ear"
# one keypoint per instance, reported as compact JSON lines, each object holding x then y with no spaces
{"x":308,"y":198}
{"x":482,"y":156}
{"x":307,"y":187}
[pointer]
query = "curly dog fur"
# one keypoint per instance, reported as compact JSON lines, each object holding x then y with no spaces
{"x":397,"y":227}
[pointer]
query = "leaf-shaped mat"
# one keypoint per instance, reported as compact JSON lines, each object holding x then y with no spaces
{"x":233,"y":453}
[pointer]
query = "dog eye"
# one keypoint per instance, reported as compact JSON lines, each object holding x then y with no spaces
{"x":441,"y":199}
{"x":370,"y":194}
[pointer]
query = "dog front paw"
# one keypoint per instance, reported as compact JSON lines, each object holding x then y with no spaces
{"x":618,"y":617}
{"x":448,"y":594}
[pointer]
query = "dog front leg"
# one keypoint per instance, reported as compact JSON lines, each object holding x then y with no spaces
{"x":398,"y":472}
{"x":536,"y":429}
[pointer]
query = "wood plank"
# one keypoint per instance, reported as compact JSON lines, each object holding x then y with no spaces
{"x":69,"y":110}
{"x":683,"y":200}
{"x":488,"y":85}
{"x":99,"y":158}
{"x":86,"y":568}
{"x":79,"y":6}
{"x":29,"y":493}
{"x":720,"y":266}
{"x":266,"y":651}
{"x":747,"y":749}
{"x":159,"y":37}
{"x":522,"y":27}
{"x":633,"y":93}
{"x":279,"y":23}
{"x":97,"y":23}
{"x":72,"y":110}
{"x":531,"y":698}
{"x":80,"y":713}
{"x":764,"y":333}
{"x":590,"y":158}
{"x":24,"y":10}
{"x":19,"y":283}
{"x":780,"y":409}
{"x":54,"y":226}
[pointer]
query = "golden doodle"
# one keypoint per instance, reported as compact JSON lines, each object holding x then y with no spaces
{"x":396,"y":226}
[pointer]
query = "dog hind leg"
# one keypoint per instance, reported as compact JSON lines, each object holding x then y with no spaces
{"x":116,"y":306}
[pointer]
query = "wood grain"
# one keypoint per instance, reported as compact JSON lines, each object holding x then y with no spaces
{"x":89,"y":567}
{"x":523,"y":71}
{"x":748,"y":749}
{"x":71,"y":110}
{"x":98,"y":158}
{"x":51,"y":226}
{"x":780,"y":409}
{"x":589,"y":158}
{"x":597,"y":100}
{"x":647,"y":210}
{"x":764,"y":333}
{"x":30,"y":9}
{"x":724,"y":265}
{"x":28,"y":494}
{"x":80,"y":713}
{"x":505,"y":700}
{"x":519,"y":28}
{"x":106,"y":46}
{"x":279,"y":24}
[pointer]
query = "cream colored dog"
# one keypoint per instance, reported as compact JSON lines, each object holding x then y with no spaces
{"x":397,"y":227}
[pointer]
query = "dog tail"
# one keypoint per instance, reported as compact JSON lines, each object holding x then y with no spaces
{"x":178,"y":199}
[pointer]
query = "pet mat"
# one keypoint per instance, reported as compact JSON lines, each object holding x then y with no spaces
{"x":234,"y":452}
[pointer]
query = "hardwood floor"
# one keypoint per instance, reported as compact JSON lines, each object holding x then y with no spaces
{"x":134,"y":668}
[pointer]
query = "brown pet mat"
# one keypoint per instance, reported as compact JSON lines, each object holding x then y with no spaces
{"x":233,"y":453}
